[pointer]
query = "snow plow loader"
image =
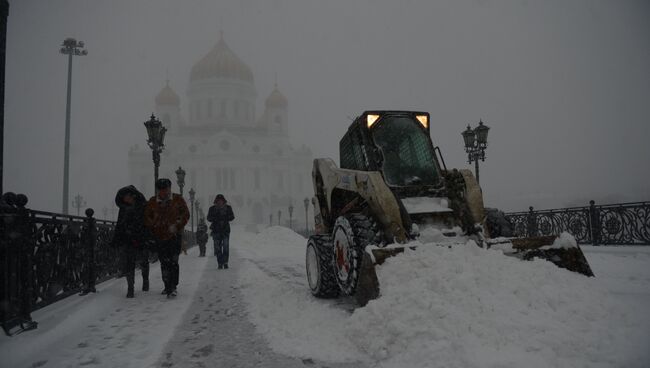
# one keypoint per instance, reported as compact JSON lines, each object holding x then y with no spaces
{"x":392,"y":185}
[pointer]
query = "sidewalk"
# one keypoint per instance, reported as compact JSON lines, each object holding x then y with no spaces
{"x":216,"y":331}
{"x":106,"y":329}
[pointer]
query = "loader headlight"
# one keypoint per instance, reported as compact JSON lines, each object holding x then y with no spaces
{"x":424,"y":120}
{"x":371,"y":119}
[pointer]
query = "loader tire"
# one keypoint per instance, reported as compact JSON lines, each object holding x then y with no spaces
{"x":352,"y":233}
{"x":320,"y":270}
{"x":497,"y":224}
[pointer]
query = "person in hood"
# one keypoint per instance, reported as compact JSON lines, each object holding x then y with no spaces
{"x":165,"y":216}
{"x":131,"y":236}
{"x":220,"y":215}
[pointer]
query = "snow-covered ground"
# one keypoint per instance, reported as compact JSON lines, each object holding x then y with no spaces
{"x":456,"y":307}
{"x":106,"y":329}
{"x":440,"y":307}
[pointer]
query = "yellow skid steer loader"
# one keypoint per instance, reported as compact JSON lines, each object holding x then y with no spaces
{"x":390,"y":185}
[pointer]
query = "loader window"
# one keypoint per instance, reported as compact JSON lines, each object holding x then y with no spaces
{"x":407,"y":152}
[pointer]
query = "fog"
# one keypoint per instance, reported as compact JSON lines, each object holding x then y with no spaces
{"x":563,"y":85}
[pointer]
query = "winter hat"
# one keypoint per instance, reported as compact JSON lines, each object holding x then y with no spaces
{"x":163,"y":183}
{"x":220,"y":196}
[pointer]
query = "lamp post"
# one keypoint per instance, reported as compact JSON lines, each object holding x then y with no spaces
{"x":70,"y":47}
{"x":279,"y":217}
{"x":475,"y":144}
{"x":4,"y":13}
{"x":180,"y":179}
{"x":78,"y":203}
{"x":306,"y":201}
{"x":156,"y":138}
{"x":291,"y":216}
{"x":197,"y":208}
{"x":192,"y":193}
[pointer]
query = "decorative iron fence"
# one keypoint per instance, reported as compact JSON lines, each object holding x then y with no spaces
{"x":45,"y":257}
{"x":617,"y":224}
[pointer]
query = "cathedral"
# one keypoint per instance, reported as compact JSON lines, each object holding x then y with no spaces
{"x":225,"y":147}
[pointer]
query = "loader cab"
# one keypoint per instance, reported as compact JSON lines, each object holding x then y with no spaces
{"x":396,"y":143}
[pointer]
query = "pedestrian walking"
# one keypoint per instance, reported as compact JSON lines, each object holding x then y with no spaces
{"x":220,"y":215}
{"x":202,"y":236}
{"x":165,"y":216}
{"x":131,"y":236}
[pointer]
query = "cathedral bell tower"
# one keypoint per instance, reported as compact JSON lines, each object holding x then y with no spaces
{"x":277,"y":113}
{"x":168,"y":108}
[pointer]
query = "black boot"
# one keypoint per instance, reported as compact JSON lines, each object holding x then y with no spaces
{"x":130,"y":281}
{"x":145,"y":285}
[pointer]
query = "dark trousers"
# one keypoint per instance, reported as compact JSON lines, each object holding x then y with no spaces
{"x":132,"y":256}
{"x":202,"y":249}
{"x":168,"y":251}
{"x":221,"y":247}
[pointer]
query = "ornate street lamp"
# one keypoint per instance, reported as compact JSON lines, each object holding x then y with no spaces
{"x":70,"y":47}
{"x":291,"y":216}
{"x":475,"y":144}
{"x":78,"y":202}
{"x":197,"y":208}
{"x":180,"y":179}
{"x":306,"y":201}
{"x":192,"y":193}
{"x":156,"y":141}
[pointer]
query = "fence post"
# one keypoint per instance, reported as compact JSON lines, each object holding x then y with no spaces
{"x":531,"y":222}
{"x":18,"y":278}
{"x":90,"y":235}
{"x":594,"y":223}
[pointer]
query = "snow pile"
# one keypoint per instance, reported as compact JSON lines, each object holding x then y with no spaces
{"x":564,"y":241}
{"x":459,"y":306}
{"x":469,"y":307}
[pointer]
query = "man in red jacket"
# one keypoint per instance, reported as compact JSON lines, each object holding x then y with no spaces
{"x":166,"y":215}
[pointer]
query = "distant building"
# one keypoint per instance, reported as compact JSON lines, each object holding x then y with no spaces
{"x":225,"y":148}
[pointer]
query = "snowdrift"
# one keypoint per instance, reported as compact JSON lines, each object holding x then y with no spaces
{"x":443,"y":307}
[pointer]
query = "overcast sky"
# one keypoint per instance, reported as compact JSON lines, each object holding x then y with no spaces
{"x":564,"y":85}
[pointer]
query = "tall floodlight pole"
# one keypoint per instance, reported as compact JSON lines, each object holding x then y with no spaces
{"x":4,"y":13}
{"x":475,"y":144}
{"x":70,"y":47}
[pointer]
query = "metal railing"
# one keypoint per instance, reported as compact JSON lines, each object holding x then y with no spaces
{"x":45,"y":257}
{"x":616,"y":224}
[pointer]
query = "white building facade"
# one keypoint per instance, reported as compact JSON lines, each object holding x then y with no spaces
{"x":224,"y":147}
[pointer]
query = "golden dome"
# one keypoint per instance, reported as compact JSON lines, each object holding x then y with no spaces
{"x":276,"y":99}
{"x":221,"y":62}
{"x":167,"y":96}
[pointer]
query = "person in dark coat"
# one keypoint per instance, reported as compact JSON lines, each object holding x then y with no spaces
{"x":220,"y":215}
{"x":202,"y":236}
{"x":166,"y":215}
{"x":131,"y":236}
